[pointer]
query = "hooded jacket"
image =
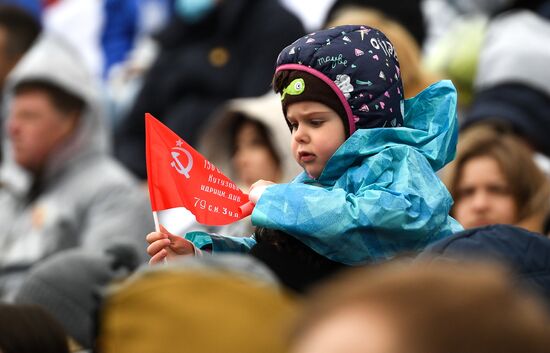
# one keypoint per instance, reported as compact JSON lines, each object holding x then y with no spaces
{"x":85,"y":198}
{"x":378,"y":195}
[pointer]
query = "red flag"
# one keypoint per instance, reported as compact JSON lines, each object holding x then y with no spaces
{"x":179,"y":176}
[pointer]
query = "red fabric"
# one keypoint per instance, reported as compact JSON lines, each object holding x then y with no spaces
{"x":179,"y":176}
{"x":46,"y":3}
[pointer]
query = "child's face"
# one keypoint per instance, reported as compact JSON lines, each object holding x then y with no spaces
{"x":317,"y":132}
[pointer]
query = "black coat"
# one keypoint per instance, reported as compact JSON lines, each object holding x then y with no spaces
{"x":230,"y":54}
{"x":526,"y":253}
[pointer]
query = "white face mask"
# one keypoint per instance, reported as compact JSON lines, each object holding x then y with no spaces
{"x":480,"y":6}
{"x":192,"y":11}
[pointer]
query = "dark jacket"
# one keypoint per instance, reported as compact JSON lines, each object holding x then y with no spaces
{"x":525,"y":252}
{"x":231,"y":53}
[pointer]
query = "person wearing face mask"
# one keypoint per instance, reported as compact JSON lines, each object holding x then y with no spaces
{"x":210,"y":51}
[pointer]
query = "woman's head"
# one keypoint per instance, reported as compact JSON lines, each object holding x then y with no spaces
{"x":495,"y":180}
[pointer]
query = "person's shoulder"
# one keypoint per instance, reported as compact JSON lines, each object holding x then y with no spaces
{"x":98,"y":174}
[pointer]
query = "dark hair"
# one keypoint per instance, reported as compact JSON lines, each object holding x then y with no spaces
{"x":22,"y":29}
{"x":30,"y":329}
{"x":296,"y":265}
{"x":62,"y":100}
{"x":240,"y":121}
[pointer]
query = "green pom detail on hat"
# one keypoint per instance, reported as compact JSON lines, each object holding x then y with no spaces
{"x":295,"y":88}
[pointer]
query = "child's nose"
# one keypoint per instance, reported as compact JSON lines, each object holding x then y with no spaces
{"x":300,"y":134}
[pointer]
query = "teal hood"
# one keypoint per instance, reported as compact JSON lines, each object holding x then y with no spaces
{"x":430,"y":128}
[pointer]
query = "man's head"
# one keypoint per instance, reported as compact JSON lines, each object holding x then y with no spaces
{"x":18,"y":30}
{"x":42,"y":117}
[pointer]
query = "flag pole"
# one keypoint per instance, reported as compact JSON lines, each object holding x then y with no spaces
{"x":157,"y":229}
{"x":156,"y":220}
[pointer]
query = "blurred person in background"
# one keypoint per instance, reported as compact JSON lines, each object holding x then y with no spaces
{"x":18,"y":31}
{"x":459,"y":34}
{"x":30,"y":329}
{"x":525,"y":253}
{"x":61,"y":187}
{"x":512,"y":87}
{"x":421,"y":308}
{"x":102,"y":31}
{"x":494,"y":179}
{"x":210,"y":304}
{"x":210,"y":51}
{"x":69,"y":285}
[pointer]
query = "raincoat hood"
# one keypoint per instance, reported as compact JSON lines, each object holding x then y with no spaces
{"x":430,"y":127}
{"x":54,"y":61}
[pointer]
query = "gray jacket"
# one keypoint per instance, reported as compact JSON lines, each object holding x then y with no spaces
{"x":86,"y":198}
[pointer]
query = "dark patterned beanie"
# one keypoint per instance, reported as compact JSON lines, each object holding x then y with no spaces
{"x":359,"y":66}
{"x":299,"y":86}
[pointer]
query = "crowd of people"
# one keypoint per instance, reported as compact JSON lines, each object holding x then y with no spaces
{"x":400,"y":180}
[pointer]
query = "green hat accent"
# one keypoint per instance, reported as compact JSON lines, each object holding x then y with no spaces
{"x":295,"y":88}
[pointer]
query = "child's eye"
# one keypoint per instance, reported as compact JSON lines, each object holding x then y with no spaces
{"x":293,"y":126}
{"x":316,"y":123}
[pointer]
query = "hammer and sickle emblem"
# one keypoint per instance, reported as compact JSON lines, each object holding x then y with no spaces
{"x":176,"y":163}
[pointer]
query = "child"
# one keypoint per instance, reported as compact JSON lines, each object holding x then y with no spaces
{"x":369,"y":189}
